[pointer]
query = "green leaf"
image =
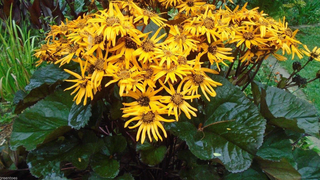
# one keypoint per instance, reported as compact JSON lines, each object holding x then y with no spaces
{"x":279,"y":170}
{"x":288,"y":111}
{"x":152,"y":28}
{"x":249,"y":174}
{"x":104,"y":166}
{"x":95,"y":176}
{"x":79,"y":115}
{"x":126,"y":176}
{"x":47,"y":159}
{"x":275,"y":147}
{"x":233,"y":129}
{"x":54,"y":176}
{"x":42,"y":83}
{"x":203,"y":172}
{"x":115,"y":110}
{"x":34,"y":96}
{"x":308,"y":163}
{"x":36,"y":123}
{"x":114,"y":144}
{"x":47,"y":75}
{"x":153,"y":156}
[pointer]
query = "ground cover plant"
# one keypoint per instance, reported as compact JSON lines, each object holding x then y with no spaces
{"x":154,"y":90}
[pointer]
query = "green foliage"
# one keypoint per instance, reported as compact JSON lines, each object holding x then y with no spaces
{"x":228,"y":133}
{"x":297,"y":12}
{"x":16,"y":60}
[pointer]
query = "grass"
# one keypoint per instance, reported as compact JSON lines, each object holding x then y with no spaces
{"x":16,"y":59}
{"x":311,"y":37}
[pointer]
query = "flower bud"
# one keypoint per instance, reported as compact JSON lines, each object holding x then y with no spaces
{"x":318,"y":74}
{"x":296,"y":66}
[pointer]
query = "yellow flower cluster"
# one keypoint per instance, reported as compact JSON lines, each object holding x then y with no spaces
{"x":162,"y":72}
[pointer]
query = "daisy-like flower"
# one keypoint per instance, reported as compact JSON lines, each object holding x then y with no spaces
{"x":70,"y":52}
{"x":210,"y":25}
{"x":177,"y":101}
{"x":99,"y":66}
{"x":191,"y":6}
{"x":314,"y":54}
{"x":248,"y":36}
{"x":168,"y":54}
{"x":147,"y":15}
{"x":109,"y":23}
{"x":144,"y":99}
{"x":62,"y":29}
{"x":148,"y":122}
{"x":83,"y":85}
{"x":126,"y":78}
{"x":148,"y":46}
{"x":199,"y":78}
{"x":126,"y":46}
{"x":254,"y":54}
{"x":170,"y":3}
{"x":217,"y":53}
{"x":183,"y":40}
{"x":171,"y":73}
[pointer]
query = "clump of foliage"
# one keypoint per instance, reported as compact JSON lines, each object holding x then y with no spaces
{"x":160,"y":99}
{"x":16,"y":60}
{"x":298,"y":12}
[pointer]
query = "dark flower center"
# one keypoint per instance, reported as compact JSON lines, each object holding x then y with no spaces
{"x":99,"y":64}
{"x":143,"y":101}
{"x":130,"y":43}
{"x":112,"y":20}
{"x":148,"y":117}
{"x":197,"y":79}
{"x":147,"y":46}
{"x":208,"y":23}
{"x":248,"y":36}
{"x":213,"y":49}
{"x":177,"y":98}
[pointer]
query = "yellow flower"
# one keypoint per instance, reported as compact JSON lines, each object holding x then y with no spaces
{"x":83,"y":85}
{"x":177,"y":101}
{"x":170,"y":3}
{"x":314,"y":54}
{"x":217,"y":53}
{"x":147,"y":15}
{"x":109,"y":23}
{"x":99,"y":67}
{"x":171,"y":72}
{"x":144,"y":99}
{"x":168,"y":54}
{"x":191,"y":6}
{"x":183,"y":40}
{"x":126,"y":78}
{"x":148,"y":122}
{"x":248,"y":36}
{"x":148,"y":46}
{"x":70,"y":52}
{"x":199,"y":78}
{"x":126,"y":46}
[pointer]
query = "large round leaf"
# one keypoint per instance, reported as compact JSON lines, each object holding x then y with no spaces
{"x":79,"y":115}
{"x":308,"y":163}
{"x":48,"y":116}
{"x":276,"y":146}
{"x":232,"y":129}
{"x":105,"y":166}
{"x":279,"y":170}
{"x":285,"y":110}
{"x":46,"y":159}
